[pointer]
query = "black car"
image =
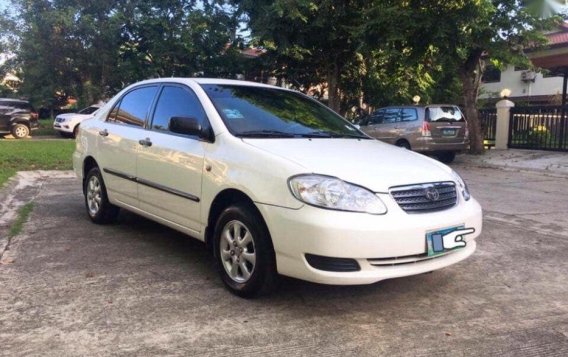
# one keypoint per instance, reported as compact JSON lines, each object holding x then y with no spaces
{"x":17,"y":117}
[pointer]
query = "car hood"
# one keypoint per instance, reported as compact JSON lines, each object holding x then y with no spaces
{"x":369,"y":163}
{"x":74,"y":116}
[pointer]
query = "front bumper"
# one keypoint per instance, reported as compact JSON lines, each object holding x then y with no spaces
{"x":397,"y":238}
{"x":63,"y":127}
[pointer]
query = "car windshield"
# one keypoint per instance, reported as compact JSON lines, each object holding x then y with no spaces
{"x":274,"y":113}
{"x":445,"y":114}
{"x":88,"y":110}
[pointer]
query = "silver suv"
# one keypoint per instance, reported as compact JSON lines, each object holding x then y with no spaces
{"x":439,"y":129}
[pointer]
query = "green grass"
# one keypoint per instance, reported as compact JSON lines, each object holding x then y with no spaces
{"x":18,"y":224}
{"x":25,"y":155}
{"x":45,"y":128}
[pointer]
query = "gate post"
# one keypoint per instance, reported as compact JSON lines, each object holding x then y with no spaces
{"x":502,"y":128}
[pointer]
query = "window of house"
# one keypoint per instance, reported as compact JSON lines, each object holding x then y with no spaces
{"x":492,"y":74}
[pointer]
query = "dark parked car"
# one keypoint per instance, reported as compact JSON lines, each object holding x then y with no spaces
{"x":17,"y":117}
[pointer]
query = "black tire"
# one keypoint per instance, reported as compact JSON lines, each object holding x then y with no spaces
{"x":263,"y":277}
{"x":75,"y":131}
{"x":403,"y":144}
{"x":446,"y":157}
{"x":105,"y":212}
{"x":20,"y":131}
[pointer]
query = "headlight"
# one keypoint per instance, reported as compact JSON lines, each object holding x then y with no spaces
{"x":462,"y":186}
{"x":333,"y":193}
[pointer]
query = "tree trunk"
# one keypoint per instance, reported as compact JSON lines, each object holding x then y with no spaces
{"x":471,"y":78}
{"x":334,"y":93}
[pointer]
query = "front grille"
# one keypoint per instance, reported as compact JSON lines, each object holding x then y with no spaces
{"x":426,"y":197}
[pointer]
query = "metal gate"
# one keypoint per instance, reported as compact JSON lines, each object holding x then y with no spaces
{"x":488,"y":121}
{"x":539,"y":128}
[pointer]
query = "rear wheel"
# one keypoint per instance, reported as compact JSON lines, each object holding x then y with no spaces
{"x":446,"y":156}
{"x":244,"y":253}
{"x":403,"y":144}
{"x":99,"y":208}
{"x":20,"y":131}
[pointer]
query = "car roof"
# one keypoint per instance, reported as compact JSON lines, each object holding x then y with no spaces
{"x":13,"y":100}
{"x":207,"y":81}
{"x":420,"y":106}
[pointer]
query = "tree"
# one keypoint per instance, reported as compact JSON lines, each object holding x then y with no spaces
{"x":91,"y":49}
{"x":311,"y":41}
{"x":463,"y":35}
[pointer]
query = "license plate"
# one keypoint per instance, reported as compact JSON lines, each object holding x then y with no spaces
{"x":434,"y":242}
{"x":448,"y":132}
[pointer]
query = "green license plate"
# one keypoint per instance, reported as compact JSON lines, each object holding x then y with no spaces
{"x":434,"y":242}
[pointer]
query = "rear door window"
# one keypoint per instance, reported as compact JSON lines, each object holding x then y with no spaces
{"x":447,"y":114}
{"x":392,"y":115}
{"x":408,"y":114}
{"x":133,"y":107}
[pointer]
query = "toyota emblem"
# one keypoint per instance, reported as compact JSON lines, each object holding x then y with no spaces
{"x":432,"y":194}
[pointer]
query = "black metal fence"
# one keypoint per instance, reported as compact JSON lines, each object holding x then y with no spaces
{"x":488,"y":120}
{"x":539,"y":128}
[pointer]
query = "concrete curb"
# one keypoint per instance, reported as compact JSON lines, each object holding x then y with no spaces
{"x":548,"y":163}
{"x":544,"y":172}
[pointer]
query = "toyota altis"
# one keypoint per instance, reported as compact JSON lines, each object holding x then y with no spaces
{"x":274,"y":183}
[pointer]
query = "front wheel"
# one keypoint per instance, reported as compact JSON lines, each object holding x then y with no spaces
{"x":20,"y":131}
{"x":244,"y":252}
{"x":99,"y":208}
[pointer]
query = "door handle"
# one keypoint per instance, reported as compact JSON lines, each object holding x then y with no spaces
{"x":103,"y":132}
{"x":145,"y":142}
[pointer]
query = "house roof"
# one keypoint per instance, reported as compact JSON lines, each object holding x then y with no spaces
{"x":555,"y":55}
{"x":560,"y":36}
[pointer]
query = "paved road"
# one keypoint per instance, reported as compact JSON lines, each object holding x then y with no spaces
{"x":137,"y":288}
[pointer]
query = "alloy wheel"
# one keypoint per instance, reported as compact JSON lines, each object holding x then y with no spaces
{"x":21,"y":132}
{"x":237,"y":250}
{"x":94,"y":195}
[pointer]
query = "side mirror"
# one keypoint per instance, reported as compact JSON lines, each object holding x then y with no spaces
{"x":189,"y":126}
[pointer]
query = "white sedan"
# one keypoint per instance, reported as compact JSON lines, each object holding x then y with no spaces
{"x":274,"y":183}
{"x":68,"y":124}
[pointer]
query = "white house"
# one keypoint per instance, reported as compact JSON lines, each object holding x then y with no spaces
{"x":525,"y":85}
{"x":528,"y":86}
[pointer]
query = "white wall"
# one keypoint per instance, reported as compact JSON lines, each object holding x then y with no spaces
{"x":511,"y":79}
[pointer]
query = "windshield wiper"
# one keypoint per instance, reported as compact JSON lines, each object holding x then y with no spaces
{"x":354,"y":136}
{"x":315,"y":134}
{"x":264,"y":134}
{"x":327,"y":134}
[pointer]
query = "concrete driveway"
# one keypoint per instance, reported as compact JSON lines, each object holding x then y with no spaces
{"x":69,"y":287}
